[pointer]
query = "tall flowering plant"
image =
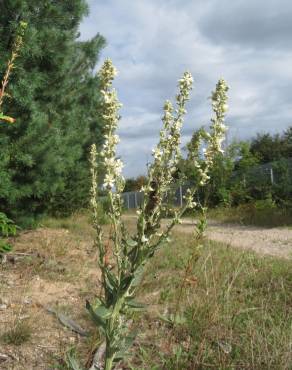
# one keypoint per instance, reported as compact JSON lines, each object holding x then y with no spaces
{"x":131,"y":252}
{"x":212,"y":141}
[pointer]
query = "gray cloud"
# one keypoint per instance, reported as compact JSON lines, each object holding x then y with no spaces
{"x":255,"y":24}
{"x":153,"y":41}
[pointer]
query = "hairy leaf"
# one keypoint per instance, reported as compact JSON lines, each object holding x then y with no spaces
{"x":99,"y":320}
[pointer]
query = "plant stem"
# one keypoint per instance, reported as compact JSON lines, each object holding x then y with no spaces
{"x":111,"y":326}
{"x":189,"y":266}
{"x":109,"y":362}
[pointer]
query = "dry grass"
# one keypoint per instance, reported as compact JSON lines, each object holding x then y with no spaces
{"x":53,"y":267}
{"x":235,"y":311}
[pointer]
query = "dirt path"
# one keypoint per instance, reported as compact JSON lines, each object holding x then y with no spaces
{"x":274,"y":241}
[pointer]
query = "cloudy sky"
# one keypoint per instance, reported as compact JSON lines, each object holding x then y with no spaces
{"x":152,"y":42}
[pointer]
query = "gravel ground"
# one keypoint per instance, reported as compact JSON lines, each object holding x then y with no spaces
{"x":272,"y":241}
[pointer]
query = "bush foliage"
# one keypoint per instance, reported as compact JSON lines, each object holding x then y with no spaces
{"x":53,"y":96}
{"x":255,"y":175}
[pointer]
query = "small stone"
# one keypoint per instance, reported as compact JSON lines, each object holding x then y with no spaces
{"x":3,"y":307}
{"x":3,"y":357}
{"x":226,"y":347}
{"x":27,"y":300}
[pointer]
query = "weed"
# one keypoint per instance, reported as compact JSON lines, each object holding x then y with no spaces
{"x":17,"y":335}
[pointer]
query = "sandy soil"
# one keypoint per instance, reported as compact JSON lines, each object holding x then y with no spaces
{"x":53,"y":268}
{"x":274,"y":241}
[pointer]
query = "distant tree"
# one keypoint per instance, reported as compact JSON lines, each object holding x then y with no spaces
{"x":135,"y":184}
{"x":287,"y":143}
{"x":244,"y":157}
{"x":267,"y":148}
{"x":130,"y":184}
{"x":235,"y":177}
{"x":141,"y":181}
{"x":53,"y":95}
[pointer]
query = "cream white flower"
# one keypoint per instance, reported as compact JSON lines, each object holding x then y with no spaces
{"x":109,"y":181}
{"x":157,"y":153}
{"x":118,"y":166}
{"x":144,"y":239}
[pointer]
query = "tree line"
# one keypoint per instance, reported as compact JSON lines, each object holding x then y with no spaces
{"x":239,"y":175}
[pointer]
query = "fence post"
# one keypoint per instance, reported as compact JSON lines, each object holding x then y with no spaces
{"x":180,"y":196}
{"x":128,"y":200}
{"x":135,"y":198}
{"x":272,"y":176}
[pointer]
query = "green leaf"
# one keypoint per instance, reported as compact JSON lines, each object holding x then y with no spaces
{"x":111,"y":280}
{"x":133,"y":305}
{"x":102,"y":312}
{"x":98,"y":320}
{"x":138,"y":276}
{"x":5,"y":247}
{"x":7,"y":226}
{"x":131,"y":243}
{"x":126,"y":281}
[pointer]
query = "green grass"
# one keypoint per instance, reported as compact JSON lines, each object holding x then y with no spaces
{"x":18,"y":334}
{"x":236,"y":311}
{"x":76,"y":223}
{"x":248,"y":214}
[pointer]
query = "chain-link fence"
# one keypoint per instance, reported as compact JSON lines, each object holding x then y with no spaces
{"x":134,"y":199}
{"x":275,"y":176}
{"x":273,"y":173}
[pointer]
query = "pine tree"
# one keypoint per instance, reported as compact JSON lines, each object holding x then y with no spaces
{"x":53,"y":96}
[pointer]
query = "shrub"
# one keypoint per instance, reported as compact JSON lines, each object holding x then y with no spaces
{"x":7,"y":228}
